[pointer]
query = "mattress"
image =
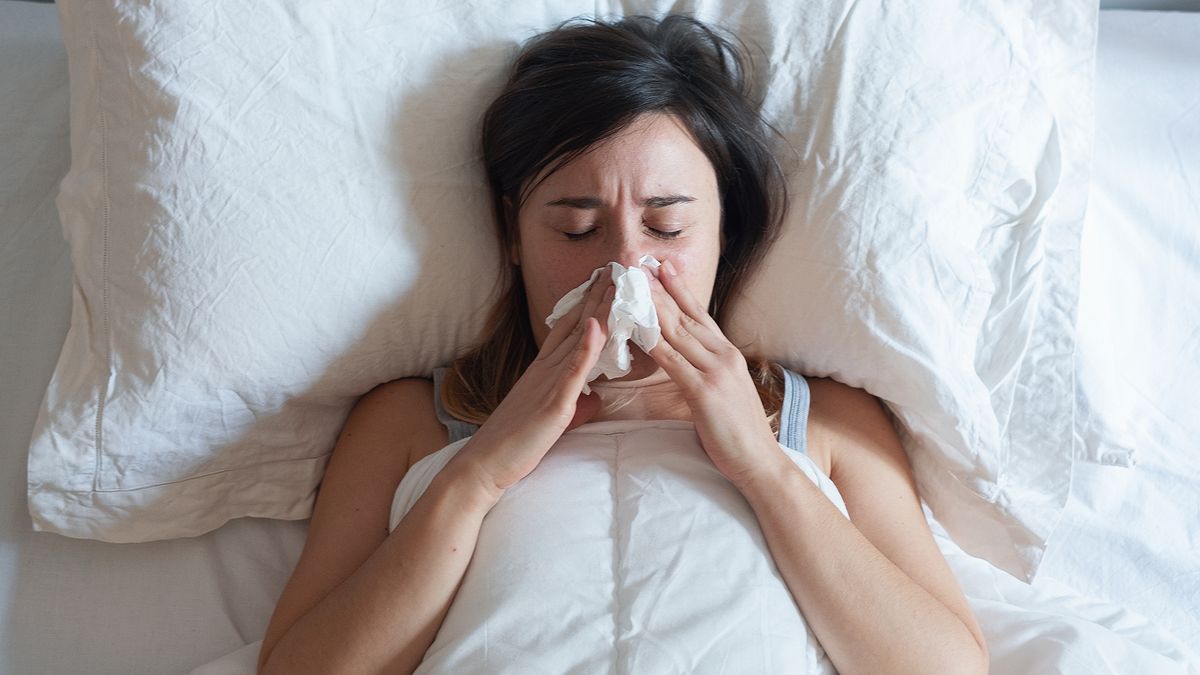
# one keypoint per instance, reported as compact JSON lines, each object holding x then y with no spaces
{"x":1128,"y":540}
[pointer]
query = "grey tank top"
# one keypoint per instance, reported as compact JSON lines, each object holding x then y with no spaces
{"x":793,"y":414}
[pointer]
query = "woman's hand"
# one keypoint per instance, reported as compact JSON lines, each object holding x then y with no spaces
{"x":711,"y":371}
{"x":546,"y":401}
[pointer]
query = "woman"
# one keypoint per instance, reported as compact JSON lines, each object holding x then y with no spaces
{"x":609,"y":142}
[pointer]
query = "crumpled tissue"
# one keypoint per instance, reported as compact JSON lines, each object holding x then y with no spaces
{"x":632,"y":317}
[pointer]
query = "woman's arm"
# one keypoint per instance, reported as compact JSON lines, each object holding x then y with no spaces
{"x":377,"y":606}
{"x":384,"y":617}
{"x":877,"y":591}
{"x":361,"y":600}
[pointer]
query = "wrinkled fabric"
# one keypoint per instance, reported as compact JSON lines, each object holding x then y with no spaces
{"x":624,"y":551}
{"x":273,"y":207}
{"x":632,"y":316}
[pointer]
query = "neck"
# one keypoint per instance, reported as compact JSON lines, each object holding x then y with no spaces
{"x":652,"y":397}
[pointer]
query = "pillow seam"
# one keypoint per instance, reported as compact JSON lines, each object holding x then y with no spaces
{"x":105,"y":203}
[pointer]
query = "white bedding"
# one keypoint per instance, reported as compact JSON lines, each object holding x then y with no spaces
{"x":1134,"y":535}
{"x":1130,"y":536}
{"x":596,"y":561}
{"x":232,"y":297}
{"x":609,"y":577}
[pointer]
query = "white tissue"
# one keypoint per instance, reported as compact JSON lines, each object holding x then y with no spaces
{"x":632,"y":317}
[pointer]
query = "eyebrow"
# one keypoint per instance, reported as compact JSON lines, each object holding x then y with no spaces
{"x":595,"y":203}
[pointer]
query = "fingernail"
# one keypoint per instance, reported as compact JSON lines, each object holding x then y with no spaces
{"x":670,"y":267}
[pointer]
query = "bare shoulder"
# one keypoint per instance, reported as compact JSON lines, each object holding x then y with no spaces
{"x":871,"y":470}
{"x":840,"y":419}
{"x":387,"y":430}
{"x":405,"y":412}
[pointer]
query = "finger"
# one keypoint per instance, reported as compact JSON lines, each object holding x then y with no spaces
{"x":571,"y":322}
{"x":571,"y":342}
{"x":684,"y":297}
{"x":561,"y":329}
{"x":694,"y":341}
{"x":580,"y":360}
{"x":676,"y":365}
{"x":595,"y":296}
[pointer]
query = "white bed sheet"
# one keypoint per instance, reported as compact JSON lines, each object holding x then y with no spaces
{"x":1133,"y":536}
{"x":71,"y":606}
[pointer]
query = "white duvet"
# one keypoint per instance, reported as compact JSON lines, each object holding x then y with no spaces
{"x":625,"y":551}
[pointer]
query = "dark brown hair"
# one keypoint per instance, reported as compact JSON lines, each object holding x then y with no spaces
{"x":579,"y":84}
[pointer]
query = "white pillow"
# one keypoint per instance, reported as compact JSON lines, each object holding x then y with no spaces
{"x":933,"y":252}
{"x":276,"y":206}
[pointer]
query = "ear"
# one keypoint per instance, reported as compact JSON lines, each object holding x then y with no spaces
{"x":514,"y":231}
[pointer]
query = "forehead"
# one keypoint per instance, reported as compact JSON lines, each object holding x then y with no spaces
{"x":653,"y":152}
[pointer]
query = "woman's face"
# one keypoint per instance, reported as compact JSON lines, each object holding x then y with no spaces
{"x":648,"y":189}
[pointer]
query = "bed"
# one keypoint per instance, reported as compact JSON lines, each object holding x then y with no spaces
{"x":1118,"y":586}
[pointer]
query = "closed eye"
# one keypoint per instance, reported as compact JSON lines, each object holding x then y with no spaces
{"x":661,"y":234}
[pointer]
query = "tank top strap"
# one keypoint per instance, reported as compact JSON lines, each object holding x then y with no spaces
{"x":793,"y":414}
{"x":457,"y":428}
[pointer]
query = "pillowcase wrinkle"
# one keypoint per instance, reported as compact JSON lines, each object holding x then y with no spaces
{"x":272,"y":208}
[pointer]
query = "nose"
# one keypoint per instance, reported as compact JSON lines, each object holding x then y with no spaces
{"x":628,"y":243}
{"x":629,"y":257}
{"x":629,"y":254}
